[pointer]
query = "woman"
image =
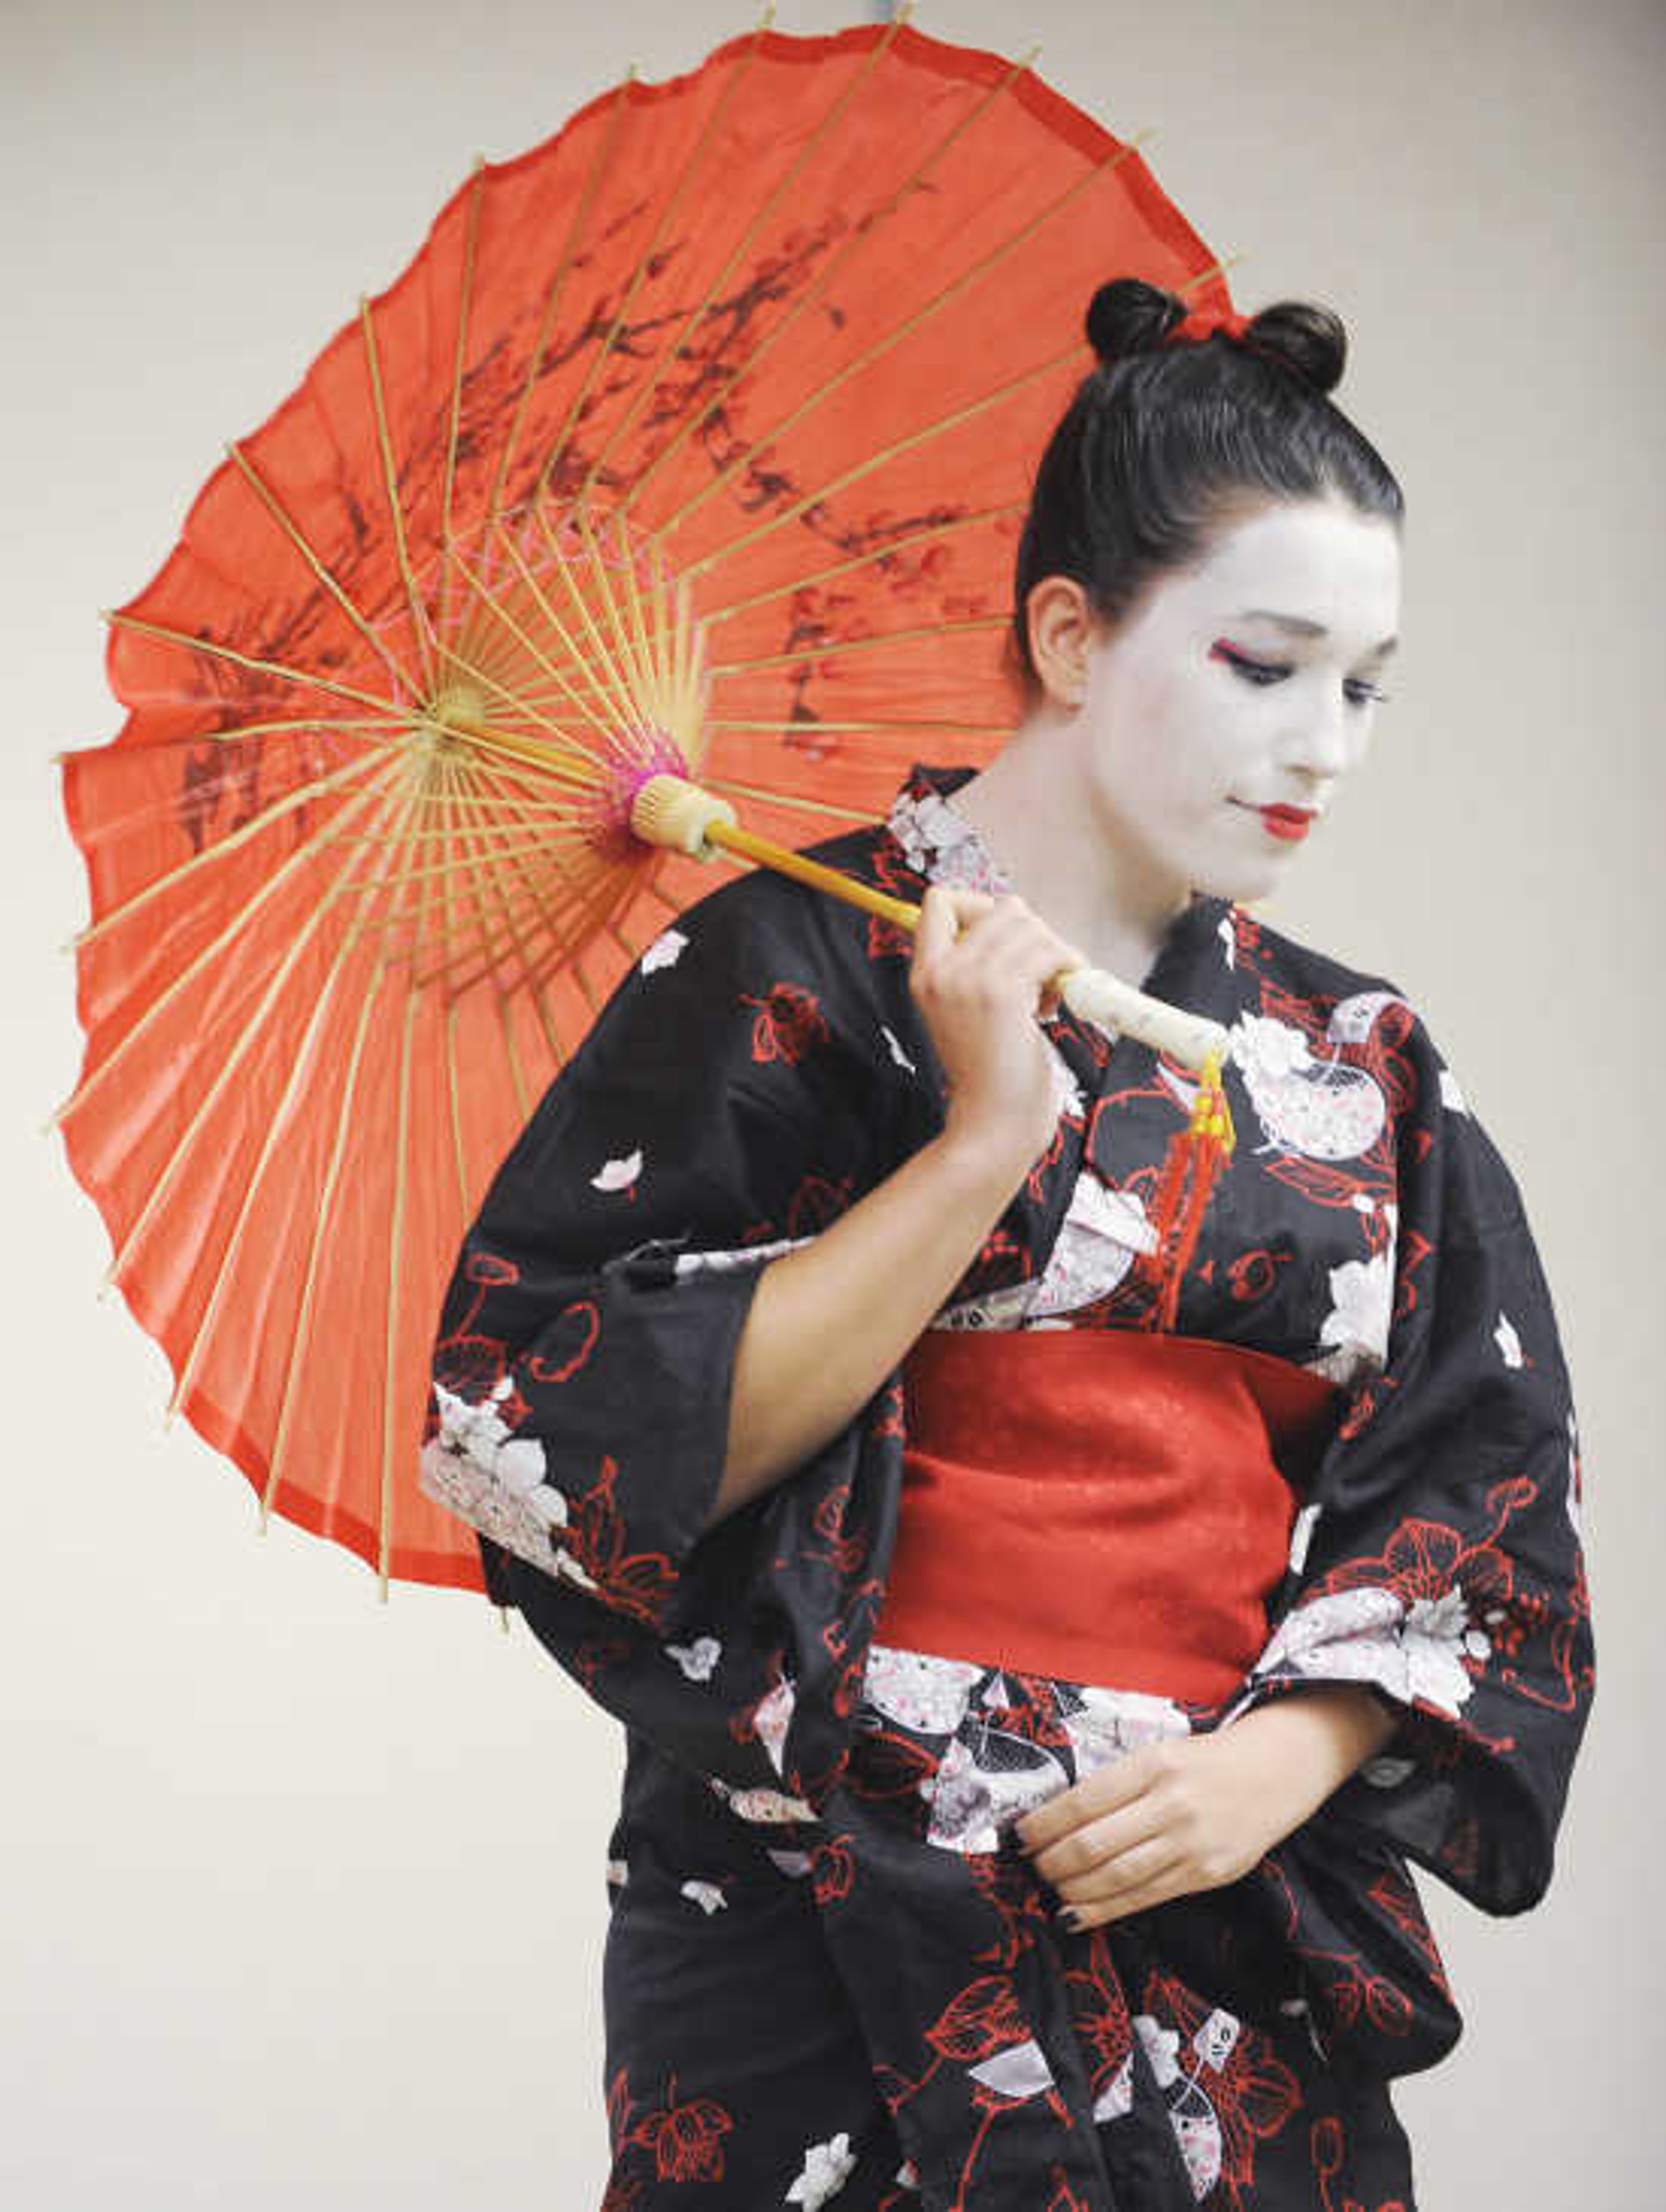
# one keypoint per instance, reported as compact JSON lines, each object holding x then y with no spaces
{"x":1039,"y":1664}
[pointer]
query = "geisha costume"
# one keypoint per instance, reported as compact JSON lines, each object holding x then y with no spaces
{"x":1060,"y":1529}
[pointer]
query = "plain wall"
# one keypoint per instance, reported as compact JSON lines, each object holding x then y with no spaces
{"x":304,"y":1895}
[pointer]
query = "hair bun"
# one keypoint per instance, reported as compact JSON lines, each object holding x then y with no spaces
{"x":1309,"y":339}
{"x":1128,"y":315}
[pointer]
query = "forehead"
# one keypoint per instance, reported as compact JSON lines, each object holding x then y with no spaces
{"x":1320,"y":560}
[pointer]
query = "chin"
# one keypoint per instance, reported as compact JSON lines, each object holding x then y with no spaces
{"x":1239,"y":880}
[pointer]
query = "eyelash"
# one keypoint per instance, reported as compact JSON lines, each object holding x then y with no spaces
{"x":1272,"y":672}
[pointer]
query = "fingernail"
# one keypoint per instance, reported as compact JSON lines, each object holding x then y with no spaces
{"x":1071,"y":1919}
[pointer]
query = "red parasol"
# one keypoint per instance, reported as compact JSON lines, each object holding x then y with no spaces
{"x":697,"y":436}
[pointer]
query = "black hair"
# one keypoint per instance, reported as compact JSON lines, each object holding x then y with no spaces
{"x":1162,"y":442}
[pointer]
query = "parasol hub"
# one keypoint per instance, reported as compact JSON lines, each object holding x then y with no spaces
{"x":456,"y":708}
{"x":698,"y":395}
{"x":668,"y":810}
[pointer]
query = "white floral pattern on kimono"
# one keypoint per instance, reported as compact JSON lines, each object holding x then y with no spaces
{"x":827,"y":2167}
{"x":473,"y":1465}
{"x":1367,"y":1634}
{"x":1322,"y":1108}
{"x":1326,"y":1111}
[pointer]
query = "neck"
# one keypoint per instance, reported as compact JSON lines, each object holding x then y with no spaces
{"x":1042,"y":822}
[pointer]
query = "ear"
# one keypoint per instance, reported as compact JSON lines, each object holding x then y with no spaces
{"x":1061,"y":628}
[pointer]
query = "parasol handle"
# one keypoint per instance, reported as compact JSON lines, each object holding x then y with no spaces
{"x":668,"y":811}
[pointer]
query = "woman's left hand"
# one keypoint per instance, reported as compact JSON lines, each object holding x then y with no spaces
{"x":1195,"y":1811}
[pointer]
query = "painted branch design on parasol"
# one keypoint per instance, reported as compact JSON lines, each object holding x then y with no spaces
{"x":691,"y":442}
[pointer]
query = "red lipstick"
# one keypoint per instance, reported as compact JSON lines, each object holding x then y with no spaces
{"x":1292,"y":822}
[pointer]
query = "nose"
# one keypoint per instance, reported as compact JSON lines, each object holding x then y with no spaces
{"x":1319,"y":744}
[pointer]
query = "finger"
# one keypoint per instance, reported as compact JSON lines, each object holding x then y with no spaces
{"x":1053,"y":962}
{"x":1012,"y":932}
{"x":1008,"y":956}
{"x":1052,"y":984}
{"x":1008,"y":919}
{"x":1118,"y":1783}
{"x":934,"y":932}
{"x":1124,"y":1870}
{"x":1009,"y":933}
{"x":966,"y":909}
{"x":1094,"y":1841}
{"x":945,"y":912}
{"x":1159,"y":1889}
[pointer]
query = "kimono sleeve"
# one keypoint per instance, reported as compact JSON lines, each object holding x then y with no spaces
{"x":580,"y":1380}
{"x":1438,"y":1559}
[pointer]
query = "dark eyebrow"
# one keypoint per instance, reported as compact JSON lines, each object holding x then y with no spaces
{"x":1298,"y":626}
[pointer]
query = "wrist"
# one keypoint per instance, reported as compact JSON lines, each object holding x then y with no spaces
{"x":1308,"y":1742}
{"x":988,"y":1159}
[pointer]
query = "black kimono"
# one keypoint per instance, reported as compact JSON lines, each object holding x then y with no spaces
{"x":830,"y":1975}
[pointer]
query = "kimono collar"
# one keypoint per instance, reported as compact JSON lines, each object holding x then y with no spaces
{"x":939,"y":842}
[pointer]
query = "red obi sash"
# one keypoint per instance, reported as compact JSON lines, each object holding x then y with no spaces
{"x":1108,"y":1505}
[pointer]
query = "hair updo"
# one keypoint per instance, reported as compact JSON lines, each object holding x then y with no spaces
{"x":1162,"y":443}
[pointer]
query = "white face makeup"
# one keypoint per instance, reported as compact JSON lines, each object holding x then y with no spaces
{"x":1219,"y":718}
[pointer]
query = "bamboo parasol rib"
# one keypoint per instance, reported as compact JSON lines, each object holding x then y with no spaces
{"x":390,"y":818}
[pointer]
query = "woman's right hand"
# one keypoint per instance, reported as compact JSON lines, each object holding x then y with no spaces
{"x":830,"y":1320}
{"x":978,"y":975}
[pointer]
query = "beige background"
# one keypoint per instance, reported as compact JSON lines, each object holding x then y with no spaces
{"x":303,"y":1896}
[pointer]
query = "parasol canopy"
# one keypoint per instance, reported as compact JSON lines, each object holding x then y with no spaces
{"x":699,"y":434}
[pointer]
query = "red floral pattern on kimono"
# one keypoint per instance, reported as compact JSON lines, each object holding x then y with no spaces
{"x":830,"y":1975}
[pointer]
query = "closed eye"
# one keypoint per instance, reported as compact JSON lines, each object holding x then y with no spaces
{"x":1252,"y":672}
{"x":1359,"y":690}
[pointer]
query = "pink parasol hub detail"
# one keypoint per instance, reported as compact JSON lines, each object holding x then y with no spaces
{"x":605,"y":814}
